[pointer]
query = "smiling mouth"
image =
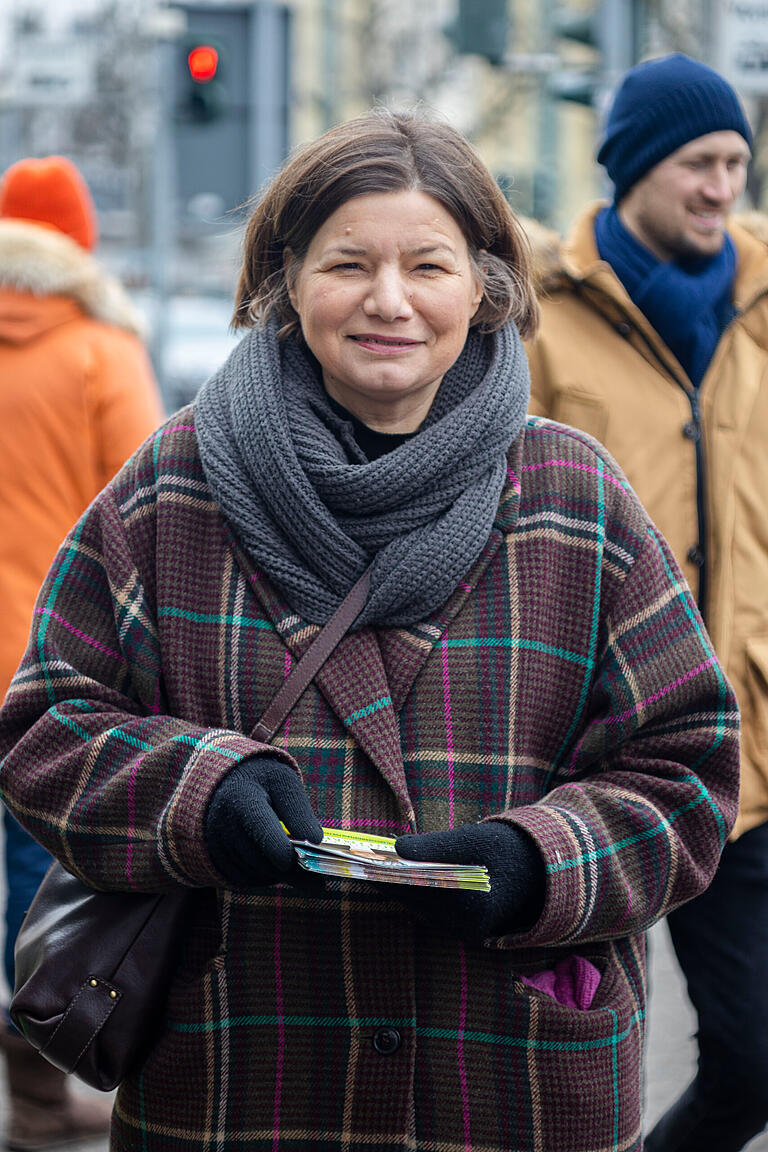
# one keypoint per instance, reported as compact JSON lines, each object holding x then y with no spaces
{"x":713,"y":218}
{"x":371,"y":338}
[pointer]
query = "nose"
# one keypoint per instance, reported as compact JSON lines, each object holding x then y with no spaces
{"x":388,"y":296}
{"x":719,"y":186}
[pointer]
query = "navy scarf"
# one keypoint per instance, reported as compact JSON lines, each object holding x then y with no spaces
{"x":687,"y":302}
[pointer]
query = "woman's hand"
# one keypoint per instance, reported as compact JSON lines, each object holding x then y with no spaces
{"x":515,"y":868}
{"x":243,"y":831}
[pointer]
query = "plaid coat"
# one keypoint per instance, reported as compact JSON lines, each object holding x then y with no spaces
{"x":567,"y":684}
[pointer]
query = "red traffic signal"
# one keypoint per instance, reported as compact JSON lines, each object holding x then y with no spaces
{"x":203,"y":62}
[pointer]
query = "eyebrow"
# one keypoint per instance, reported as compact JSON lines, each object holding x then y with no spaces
{"x":426,"y":249}
{"x":422,"y":250}
{"x":736,"y":154}
{"x":346,"y":250}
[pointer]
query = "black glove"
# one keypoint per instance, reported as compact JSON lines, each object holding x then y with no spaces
{"x":515,"y":868}
{"x":242,"y":826}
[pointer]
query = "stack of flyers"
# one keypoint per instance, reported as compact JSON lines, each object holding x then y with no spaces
{"x":360,"y":856}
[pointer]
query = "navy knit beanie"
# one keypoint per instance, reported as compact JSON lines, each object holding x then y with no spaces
{"x":659,"y":106}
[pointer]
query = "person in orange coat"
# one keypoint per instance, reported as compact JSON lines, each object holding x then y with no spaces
{"x":77,"y":397}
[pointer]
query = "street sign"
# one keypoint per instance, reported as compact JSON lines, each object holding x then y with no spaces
{"x":53,"y":72}
{"x":743,"y":44}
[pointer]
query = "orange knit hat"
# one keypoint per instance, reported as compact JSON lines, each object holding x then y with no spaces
{"x":51,"y":192}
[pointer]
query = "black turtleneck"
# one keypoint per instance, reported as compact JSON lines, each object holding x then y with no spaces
{"x":374,"y":444}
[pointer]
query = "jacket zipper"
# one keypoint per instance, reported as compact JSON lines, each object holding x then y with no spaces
{"x":701,"y":504}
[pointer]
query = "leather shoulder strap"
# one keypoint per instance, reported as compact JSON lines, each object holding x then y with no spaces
{"x":313,"y":659}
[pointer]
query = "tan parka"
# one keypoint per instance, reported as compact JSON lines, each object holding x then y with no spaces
{"x":698,"y":461}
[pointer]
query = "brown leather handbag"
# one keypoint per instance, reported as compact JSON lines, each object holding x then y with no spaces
{"x":93,"y":969}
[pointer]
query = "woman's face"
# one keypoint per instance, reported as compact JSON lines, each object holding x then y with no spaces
{"x":385,"y":296}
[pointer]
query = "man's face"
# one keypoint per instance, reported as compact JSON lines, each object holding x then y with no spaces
{"x":680,"y":208}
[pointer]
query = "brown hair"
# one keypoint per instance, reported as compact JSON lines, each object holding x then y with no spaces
{"x":385,"y":151}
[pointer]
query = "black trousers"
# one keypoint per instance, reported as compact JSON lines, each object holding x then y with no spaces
{"x":721,"y":942}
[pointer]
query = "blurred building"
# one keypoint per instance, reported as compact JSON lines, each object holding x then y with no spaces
{"x":532,"y":103}
{"x":524,"y":79}
{"x":352,"y":54}
{"x":173,"y":162}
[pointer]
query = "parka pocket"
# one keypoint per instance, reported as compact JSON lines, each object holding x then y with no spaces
{"x":756,"y":728}
{"x":581,"y":410}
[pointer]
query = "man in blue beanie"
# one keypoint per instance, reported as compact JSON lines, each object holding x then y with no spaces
{"x":654,"y":339}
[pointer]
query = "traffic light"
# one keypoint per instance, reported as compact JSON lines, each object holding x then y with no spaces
{"x":481,"y":28}
{"x":229,"y":88}
{"x":578,"y":85}
{"x":203,"y":68}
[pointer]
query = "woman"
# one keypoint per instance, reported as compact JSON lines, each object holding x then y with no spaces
{"x":529,"y":687}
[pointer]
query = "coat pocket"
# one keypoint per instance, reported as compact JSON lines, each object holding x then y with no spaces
{"x":573,"y":982}
{"x":589,"y":1061}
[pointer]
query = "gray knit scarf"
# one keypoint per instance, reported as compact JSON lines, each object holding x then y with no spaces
{"x":313,"y":512}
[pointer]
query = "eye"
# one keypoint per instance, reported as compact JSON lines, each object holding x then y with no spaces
{"x":348,"y":266}
{"x":429,"y":268}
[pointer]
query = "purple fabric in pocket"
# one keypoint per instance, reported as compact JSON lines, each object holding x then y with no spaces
{"x":573,"y":982}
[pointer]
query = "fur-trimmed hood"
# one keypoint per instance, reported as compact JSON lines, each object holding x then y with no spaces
{"x":40,"y":261}
{"x":545,"y":244}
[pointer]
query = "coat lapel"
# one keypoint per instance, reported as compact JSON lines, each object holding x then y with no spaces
{"x":405,"y":650}
{"x":355,"y":684}
{"x":352,"y":680}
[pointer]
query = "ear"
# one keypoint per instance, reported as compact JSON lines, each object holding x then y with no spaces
{"x":479,"y":272}
{"x":290,"y":268}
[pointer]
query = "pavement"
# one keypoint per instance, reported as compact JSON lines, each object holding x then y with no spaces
{"x":671,"y":1052}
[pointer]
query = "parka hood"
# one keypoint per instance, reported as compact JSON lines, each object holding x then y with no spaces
{"x":24,"y":316}
{"x":38,"y":264}
{"x":546,"y":264}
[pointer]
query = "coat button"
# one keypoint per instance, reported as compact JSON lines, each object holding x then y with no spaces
{"x":692,"y":430}
{"x":696,"y":556}
{"x":623,"y":328}
{"x":386,"y":1041}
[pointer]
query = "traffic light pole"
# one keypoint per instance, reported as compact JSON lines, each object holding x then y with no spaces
{"x":617,"y":41}
{"x":166,"y":30}
{"x":269,"y":85}
{"x":545,"y":170}
{"x":330,"y":33}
